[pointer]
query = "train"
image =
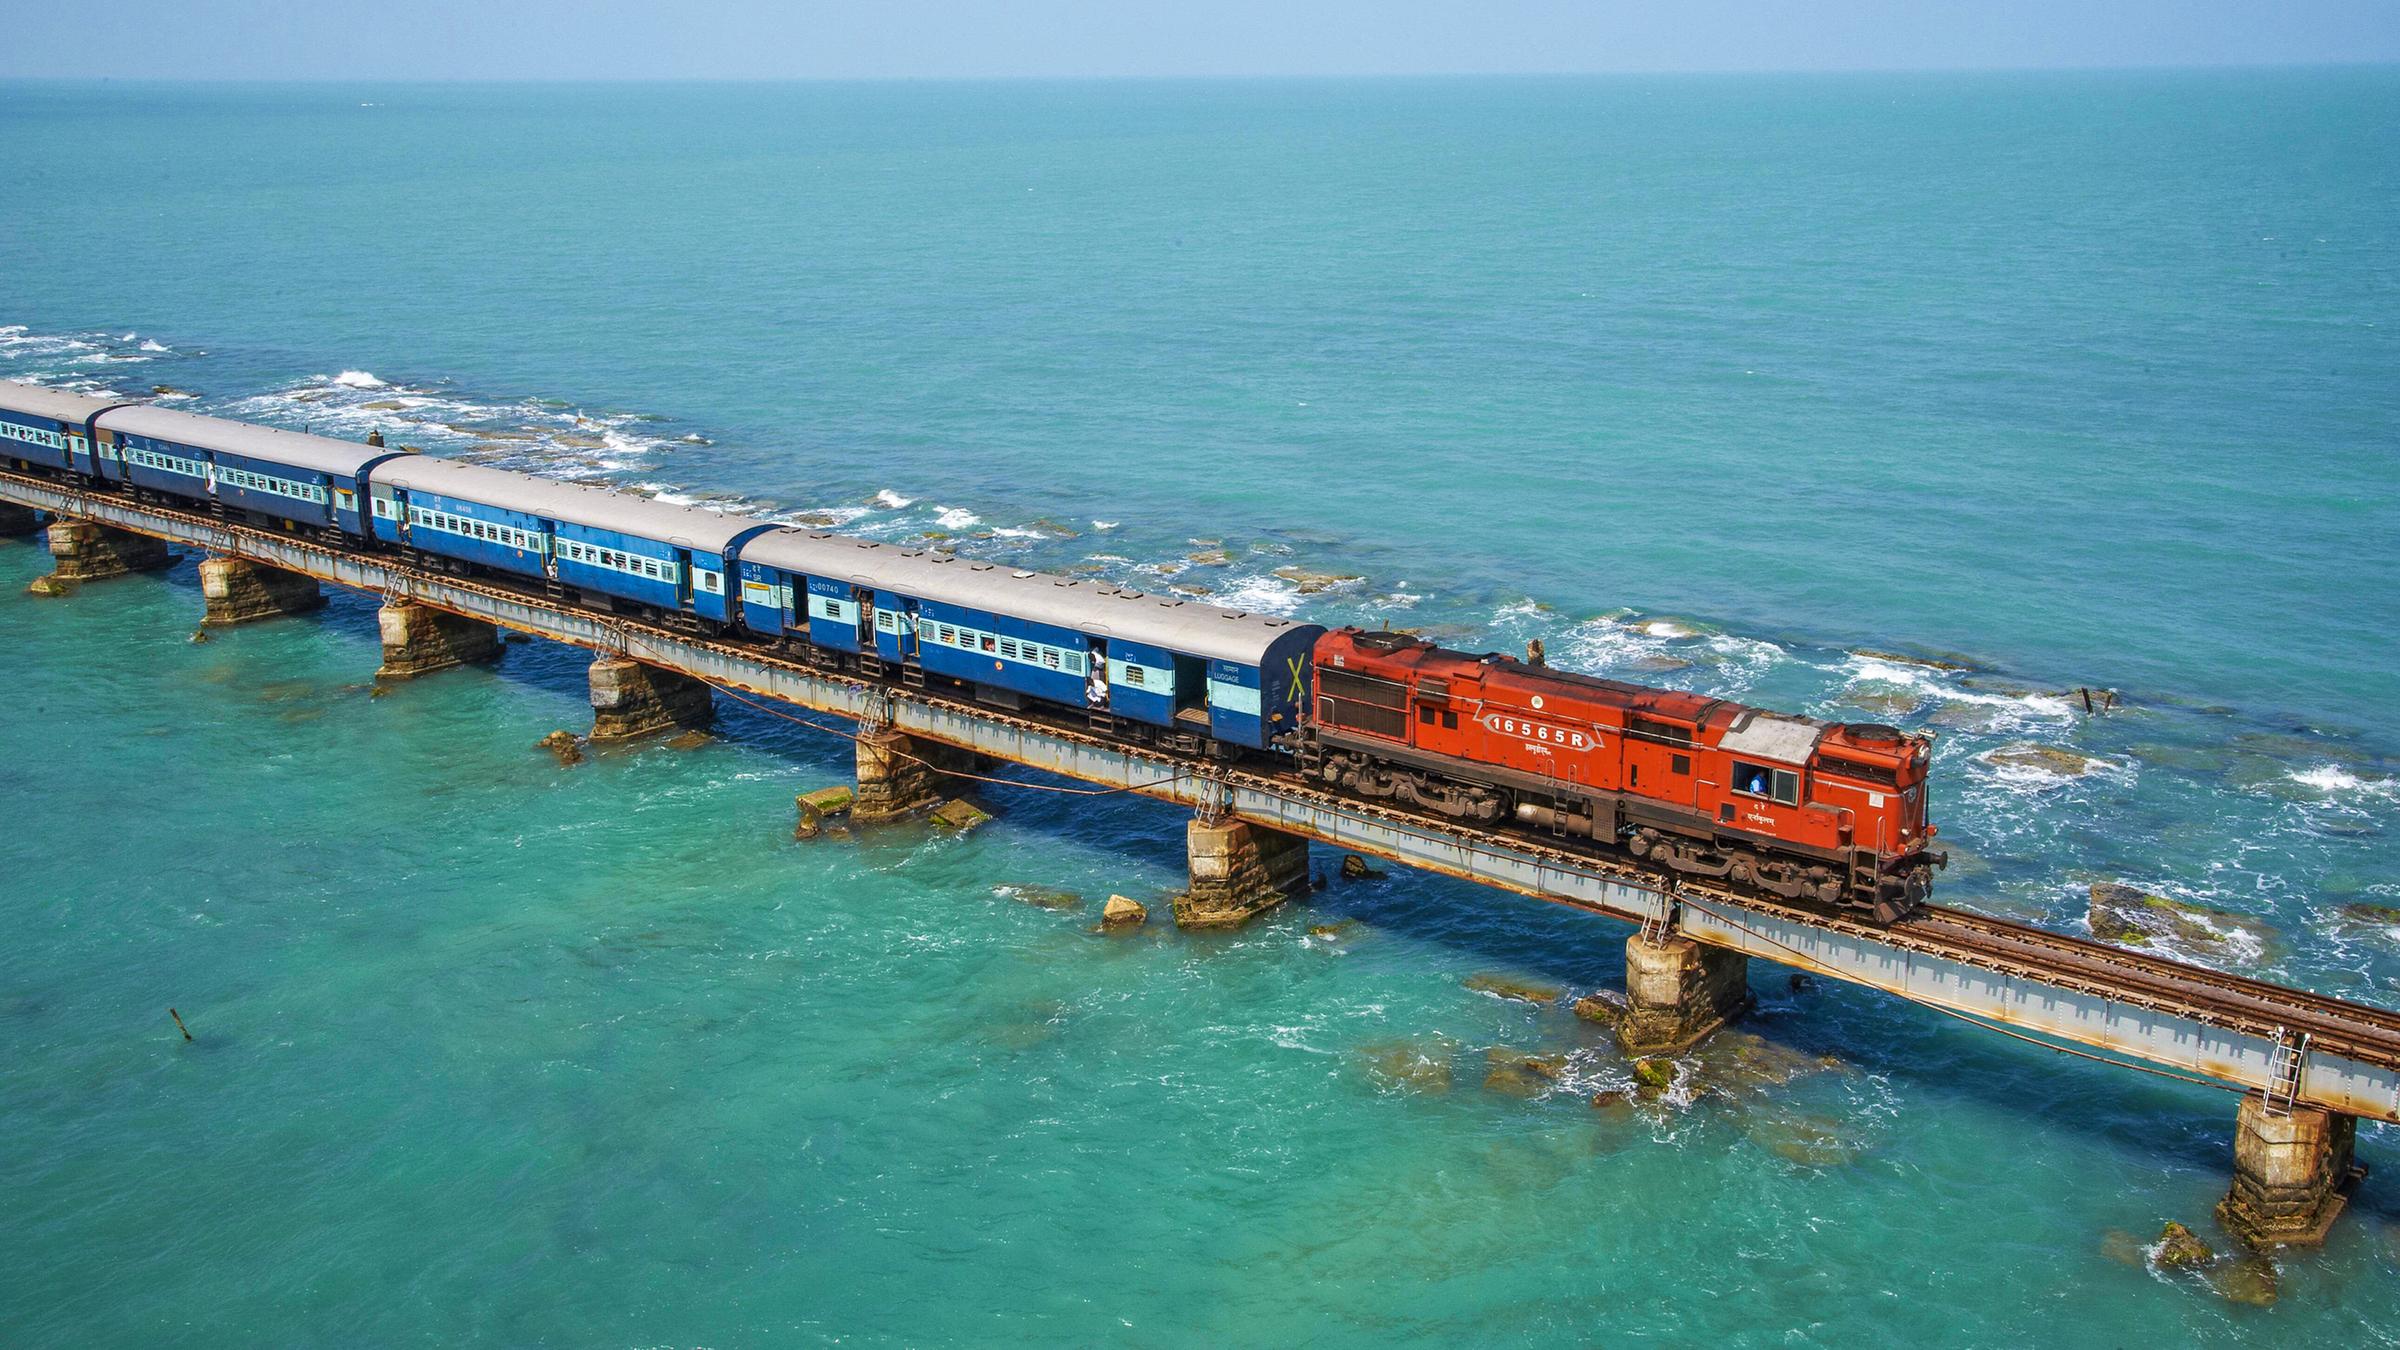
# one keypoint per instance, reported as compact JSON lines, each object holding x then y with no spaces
{"x":1826,"y":814}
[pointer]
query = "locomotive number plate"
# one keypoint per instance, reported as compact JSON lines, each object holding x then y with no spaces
{"x":1543,"y":733}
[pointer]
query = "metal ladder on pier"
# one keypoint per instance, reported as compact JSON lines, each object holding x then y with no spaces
{"x":2283,"y":1074}
{"x":1659,"y":924}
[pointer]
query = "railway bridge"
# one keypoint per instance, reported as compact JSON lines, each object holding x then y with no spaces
{"x":2308,"y":1066}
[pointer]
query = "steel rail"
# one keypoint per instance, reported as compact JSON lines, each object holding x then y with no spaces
{"x":2226,"y":1027}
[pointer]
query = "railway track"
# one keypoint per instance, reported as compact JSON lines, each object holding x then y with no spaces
{"x":2062,"y":961}
{"x":2237,"y":1002}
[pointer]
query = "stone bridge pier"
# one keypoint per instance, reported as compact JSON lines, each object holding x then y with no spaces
{"x":419,"y":640}
{"x":1238,"y":871}
{"x":85,"y":550}
{"x":236,"y":590}
{"x":2292,"y":1173}
{"x":1677,"y":991}
{"x":901,"y":775}
{"x":631,"y":699}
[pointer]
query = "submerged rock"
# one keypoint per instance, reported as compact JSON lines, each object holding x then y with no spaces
{"x":48,"y":585}
{"x":1741,"y":1064}
{"x":1336,"y":932}
{"x":2249,"y":1279}
{"x":1930,"y":663}
{"x":1806,"y":1141}
{"x":1354,"y":868}
{"x":1515,"y":1073}
{"x":1653,"y":1076}
{"x":1316,"y":583}
{"x":2179,"y":1248}
{"x":816,"y":807}
{"x":958,"y":815}
{"x":829,"y":801}
{"x":1409,"y":1066}
{"x":1040,"y":897}
{"x":1881,"y":702}
{"x":1604,"y":1008}
{"x":1122,"y":912}
{"x":1518,"y":991}
{"x":2124,"y":1248}
{"x":2044,"y":758}
{"x":2135,"y":918}
{"x":1210,"y":557}
{"x":564,"y":746}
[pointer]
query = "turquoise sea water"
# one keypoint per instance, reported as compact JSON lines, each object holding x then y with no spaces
{"x":1723,"y":383}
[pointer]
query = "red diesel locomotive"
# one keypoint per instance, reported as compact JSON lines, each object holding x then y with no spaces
{"x":1701,"y":786}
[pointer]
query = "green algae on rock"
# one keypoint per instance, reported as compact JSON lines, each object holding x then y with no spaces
{"x":1514,"y":990}
{"x":2132,"y":917}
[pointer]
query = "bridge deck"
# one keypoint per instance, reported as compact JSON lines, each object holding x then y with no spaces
{"x":2166,"y":1013}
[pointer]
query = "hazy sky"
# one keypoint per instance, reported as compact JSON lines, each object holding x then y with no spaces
{"x":754,"y":39}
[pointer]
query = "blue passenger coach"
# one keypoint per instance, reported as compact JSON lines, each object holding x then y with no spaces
{"x":604,"y":543}
{"x":1159,"y":661}
{"x":45,"y":428}
{"x":281,"y":475}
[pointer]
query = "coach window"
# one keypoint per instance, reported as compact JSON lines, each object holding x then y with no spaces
{"x":1758,"y":780}
{"x":1425,"y":715}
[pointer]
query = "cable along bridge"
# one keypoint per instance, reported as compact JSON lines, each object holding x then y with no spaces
{"x":2309,"y":1066}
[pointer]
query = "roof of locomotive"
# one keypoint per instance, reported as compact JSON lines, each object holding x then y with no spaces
{"x":1743,"y":729}
{"x":56,"y":404}
{"x":1087,"y":606}
{"x":1429,"y":658}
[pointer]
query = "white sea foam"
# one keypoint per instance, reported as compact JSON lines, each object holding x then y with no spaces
{"x":838,"y":515}
{"x":154,"y":345}
{"x":2003,"y":712}
{"x":1261,"y":593}
{"x":1104,"y":524}
{"x":2335,"y":781}
{"x":955,"y":517}
{"x":891,"y":501}
{"x":359,"y":379}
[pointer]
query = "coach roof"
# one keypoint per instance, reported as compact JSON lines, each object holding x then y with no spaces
{"x":299,"y":449}
{"x":1096,"y":607}
{"x":56,"y":404}
{"x":574,"y":503}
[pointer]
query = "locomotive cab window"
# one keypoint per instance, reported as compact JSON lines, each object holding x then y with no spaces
{"x":1759,"y":780}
